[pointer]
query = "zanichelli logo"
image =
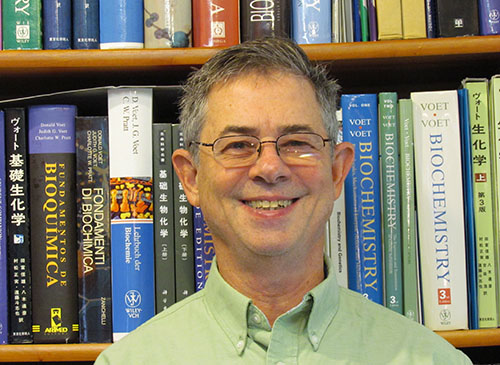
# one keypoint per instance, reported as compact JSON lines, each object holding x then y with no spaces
{"x":132,"y":298}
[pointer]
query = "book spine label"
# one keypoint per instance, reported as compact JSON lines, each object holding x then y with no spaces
{"x":93,"y":229}
{"x":264,"y":18}
{"x":85,"y":24}
{"x":208,"y":250}
{"x":56,"y":22}
{"x":389,"y":18}
{"x":362,"y":189}
{"x":438,"y":168}
{"x":4,"y":310}
{"x":489,"y":17}
{"x":457,"y":18}
{"x":217,"y":23}
{"x":121,"y":24}
{"x":312,"y":21}
{"x":53,"y":223}
{"x":22,"y":24}
{"x":18,"y":226}
{"x":132,"y":243}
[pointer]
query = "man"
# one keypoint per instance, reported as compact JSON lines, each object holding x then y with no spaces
{"x":259,"y":120}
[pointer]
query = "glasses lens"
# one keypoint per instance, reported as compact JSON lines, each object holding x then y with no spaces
{"x":300,"y":148}
{"x":235,"y":151}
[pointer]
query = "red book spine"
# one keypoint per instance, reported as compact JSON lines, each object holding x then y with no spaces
{"x":216,"y":23}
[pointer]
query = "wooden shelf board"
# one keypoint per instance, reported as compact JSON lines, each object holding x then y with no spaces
{"x":34,"y":353}
{"x":472,"y":338}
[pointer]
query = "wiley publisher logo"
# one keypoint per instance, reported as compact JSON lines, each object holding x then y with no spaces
{"x":132,"y":298}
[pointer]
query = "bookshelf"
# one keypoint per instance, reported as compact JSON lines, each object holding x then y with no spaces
{"x":402,"y":65}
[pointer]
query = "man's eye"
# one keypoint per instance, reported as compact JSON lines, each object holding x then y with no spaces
{"x":239,"y":147}
{"x":296,"y":144}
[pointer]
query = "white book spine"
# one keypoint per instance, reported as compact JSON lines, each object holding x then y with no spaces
{"x":338,"y":242}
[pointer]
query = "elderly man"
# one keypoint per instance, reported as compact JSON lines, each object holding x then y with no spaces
{"x":262,"y":163}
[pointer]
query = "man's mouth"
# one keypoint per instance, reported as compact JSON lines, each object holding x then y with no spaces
{"x":269,"y":204}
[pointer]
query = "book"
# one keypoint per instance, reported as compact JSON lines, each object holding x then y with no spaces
{"x":363,"y":13}
{"x":311,"y":21}
{"x":51,"y":141}
{"x":167,"y":24}
{"x":362,"y":196}
{"x":199,"y":267}
{"x":208,"y":250}
{"x":132,"y":241}
{"x":356,"y":20}
{"x":391,"y":211}
{"x":489,"y":17}
{"x":121,"y":24}
{"x":372,"y":20}
{"x":85,"y":24}
{"x":413,"y":19}
{"x":218,"y":23}
{"x":22,"y":24}
{"x":338,"y":240}
{"x":56,"y":21}
{"x":438,"y":176}
{"x":430,"y":18}
{"x":389,"y":19}
{"x":163,"y":217}
{"x":265,"y":19}
{"x":18,"y":226}
{"x":456,"y":18}
{"x":347,"y":20}
{"x":4,"y":305}
{"x":93,"y":229}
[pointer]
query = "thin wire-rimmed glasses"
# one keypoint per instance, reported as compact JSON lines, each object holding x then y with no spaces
{"x":297,"y":149}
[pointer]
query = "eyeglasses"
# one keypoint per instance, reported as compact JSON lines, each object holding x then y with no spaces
{"x":298,"y":149}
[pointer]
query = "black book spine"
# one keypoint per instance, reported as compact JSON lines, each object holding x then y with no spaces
{"x":264,"y":18}
{"x":457,"y":18}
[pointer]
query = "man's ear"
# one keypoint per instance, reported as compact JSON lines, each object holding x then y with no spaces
{"x":187,"y":171}
{"x":343,"y":160}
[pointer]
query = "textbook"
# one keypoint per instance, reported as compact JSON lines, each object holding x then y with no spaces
{"x":413,"y":17}
{"x":265,"y":19}
{"x":4,"y":317}
{"x":312,"y":21}
{"x":22,"y":24}
{"x":489,"y":17}
{"x":56,"y":22}
{"x":217,"y":23}
{"x":389,"y":19}
{"x":121,"y":24}
{"x":85,"y":24}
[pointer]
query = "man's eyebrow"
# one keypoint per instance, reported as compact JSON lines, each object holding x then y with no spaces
{"x":292,"y":128}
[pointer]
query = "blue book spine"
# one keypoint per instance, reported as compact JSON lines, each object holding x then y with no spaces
{"x":208,"y":249}
{"x":356,"y":17}
{"x":430,"y":15}
{"x":85,"y":24}
{"x":4,"y":330}
{"x":199,"y":271}
{"x":312,"y":21}
{"x":362,"y":192}
{"x":56,"y":24}
{"x":121,"y":24}
{"x":489,"y":17}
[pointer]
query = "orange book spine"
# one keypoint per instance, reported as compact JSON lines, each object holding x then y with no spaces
{"x":216,"y":23}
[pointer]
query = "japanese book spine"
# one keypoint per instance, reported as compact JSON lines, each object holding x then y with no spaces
{"x":438,"y":176}
{"x":56,"y":21}
{"x":265,"y":19}
{"x":22,"y":24}
{"x":163,"y":203}
{"x":489,"y":17}
{"x":411,"y":287}
{"x":372,"y":20}
{"x":457,"y":18}
{"x":430,"y":18}
{"x":362,"y":192}
{"x":413,"y":18}
{"x":363,"y":13}
{"x":389,"y":19}
{"x":483,"y":201}
{"x":470,"y":234}
{"x":85,"y":24}
{"x":184,"y":241}
{"x":4,"y":305}
{"x":51,"y":143}
{"x":391,"y":211}
{"x":311,"y":21}
{"x":167,"y":24}
{"x":199,"y":271}
{"x":132,"y":242}
{"x":18,"y":226}
{"x":93,"y":229}
{"x":121,"y":24}
{"x":217,"y":23}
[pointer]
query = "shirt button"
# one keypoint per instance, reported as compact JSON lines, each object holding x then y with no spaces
{"x":240,"y":344}
{"x":280,"y":363}
{"x":314,"y":339}
{"x":256,"y":318}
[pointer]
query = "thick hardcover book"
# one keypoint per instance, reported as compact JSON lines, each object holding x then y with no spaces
{"x":167,"y":24}
{"x":18,"y":226}
{"x":85,"y":24}
{"x":391,"y":211}
{"x":438,"y":175}
{"x":489,"y":17}
{"x":22,"y":24}
{"x":362,"y":191}
{"x":457,"y":18}
{"x":413,"y":17}
{"x":93,"y":229}
{"x":121,"y":24}
{"x":484,"y":209}
{"x":495,"y":146}
{"x":217,"y":23}
{"x":56,"y":22}
{"x":265,"y":19}
{"x":4,"y":305}
{"x":132,"y":243}
{"x":163,"y":203}
{"x":51,"y":141}
{"x":389,"y":19}
{"x":312,"y":21}
{"x":199,"y":272}
{"x":184,"y":240}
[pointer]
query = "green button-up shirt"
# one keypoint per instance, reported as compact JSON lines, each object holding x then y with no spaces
{"x":331,"y":325}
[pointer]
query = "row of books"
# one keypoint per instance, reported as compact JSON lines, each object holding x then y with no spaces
{"x":105,"y":24}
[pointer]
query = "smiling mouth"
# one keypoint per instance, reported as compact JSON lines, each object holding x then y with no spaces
{"x":269,"y":204}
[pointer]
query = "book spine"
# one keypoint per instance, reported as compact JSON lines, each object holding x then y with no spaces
{"x":132,"y":242}
{"x":389,"y":19}
{"x":56,"y":20}
{"x":438,"y":168}
{"x":4,"y":305}
{"x":430,"y":18}
{"x":22,"y":24}
{"x":53,"y":223}
{"x":372,"y":20}
{"x":457,"y":18}
{"x":121,"y":24}
{"x":18,"y":226}
{"x":391,"y":212}
{"x":312,"y":21}
{"x":489,"y":17}
{"x":348,"y":20}
{"x":163,"y":203}
{"x":1,"y":27}
{"x":356,"y":16}
{"x":362,"y":190}
{"x":208,"y":249}
{"x":93,"y":229}
{"x":167,"y":24}
{"x":413,"y":17}
{"x":85,"y":24}
{"x":199,"y":266}
{"x":363,"y":13}
{"x":217,"y":23}
{"x":266,"y":18}
{"x":338,"y":241}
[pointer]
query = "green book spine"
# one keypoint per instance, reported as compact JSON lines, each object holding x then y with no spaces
{"x":483,"y":201}
{"x":22,"y":24}
{"x":365,"y":32}
{"x":391,"y":217}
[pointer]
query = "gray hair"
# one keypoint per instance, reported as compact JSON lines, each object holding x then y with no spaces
{"x":261,"y":56}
